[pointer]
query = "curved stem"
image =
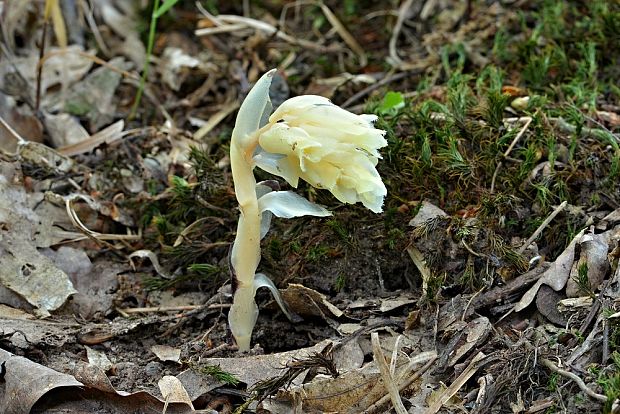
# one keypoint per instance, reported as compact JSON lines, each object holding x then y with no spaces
{"x":246,"y":248}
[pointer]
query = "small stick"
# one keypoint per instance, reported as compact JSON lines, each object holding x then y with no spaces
{"x":239,"y":21}
{"x":344,"y":33}
{"x":498,"y":293}
{"x":402,"y":11}
{"x":374,"y":408}
{"x":544,"y":224}
{"x":172,"y":308}
{"x":582,"y":385}
{"x":528,"y":121}
{"x":215,"y":120}
{"x":449,"y":392}
{"x":87,"y":12}
{"x":388,"y":79}
{"x":37,"y":99}
{"x":388,"y":380}
{"x":605,"y":341}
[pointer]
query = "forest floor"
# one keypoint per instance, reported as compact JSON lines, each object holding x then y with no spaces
{"x":489,"y":284}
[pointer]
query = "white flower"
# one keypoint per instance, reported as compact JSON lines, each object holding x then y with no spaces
{"x":310,"y":138}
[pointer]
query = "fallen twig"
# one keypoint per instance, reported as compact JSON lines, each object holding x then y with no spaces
{"x":494,"y":295}
{"x":402,"y":12}
{"x":528,"y":121}
{"x":403,"y":384}
{"x":542,"y":226}
{"x":387,"y":79}
{"x":582,"y":385}
{"x":225,"y":20}
{"x":344,"y":33}
{"x":173,"y":308}
{"x":388,"y":380}
{"x":457,"y":384}
{"x":215,"y":119}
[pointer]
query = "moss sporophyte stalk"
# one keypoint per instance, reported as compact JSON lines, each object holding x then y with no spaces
{"x":307,"y":137}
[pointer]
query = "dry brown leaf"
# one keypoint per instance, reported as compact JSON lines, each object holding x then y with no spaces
{"x":173,"y":391}
{"x":25,"y":382}
{"x":555,"y":277}
{"x":64,"y":129}
{"x":25,"y":270}
{"x":349,"y":356}
{"x":252,"y":369}
{"x":426,"y":212}
{"x":611,"y":118}
{"x":593,"y":254}
{"x":98,"y":359}
{"x":66,"y":66}
{"x":351,"y":392}
{"x":390,"y":304}
{"x":22,"y":120}
{"x":166,"y":353}
{"x":476,"y":332}
{"x":308,"y":302}
{"x":174,"y":66}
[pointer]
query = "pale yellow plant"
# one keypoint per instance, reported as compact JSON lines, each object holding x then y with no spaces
{"x":307,"y":137}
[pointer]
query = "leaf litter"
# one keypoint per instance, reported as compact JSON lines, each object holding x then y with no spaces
{"x":490,"y":283}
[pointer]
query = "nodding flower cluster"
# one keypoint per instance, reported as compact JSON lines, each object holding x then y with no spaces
{"x":306,"y":137}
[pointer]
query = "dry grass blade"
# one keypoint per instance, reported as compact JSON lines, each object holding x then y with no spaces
{"x":215,"y":120}
{"x":514,"y":142}
{"x":388,"y":380}
{"x":344,"y":33}
{"x":99,"y":237}
{"x":582,"y":385}
{"x":402,"y":12}
{"x":457,"y":384}
{"x":107,"y":135}
{"x":87,"y":12}
{"x":406,"y":377}
{"x":52,"y":9}
{"x":228,"y":28}
{"x":542,"y":226}
{"x":420,"y":263}
{"x":241,"y":22}
{"x":154,"y":261}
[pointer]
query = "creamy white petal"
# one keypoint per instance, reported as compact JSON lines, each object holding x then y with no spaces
{"x":286,"y":204}
{"x":280,"y":165}
{"x":265,"y":223}
{"x":253,"y":107}
{"x":328,"y":147}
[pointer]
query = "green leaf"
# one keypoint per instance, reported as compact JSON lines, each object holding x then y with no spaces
{"x":392,"y":102}
{"x":167,"y":5}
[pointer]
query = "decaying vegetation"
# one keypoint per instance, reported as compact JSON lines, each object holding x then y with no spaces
{"x":489,"y":284}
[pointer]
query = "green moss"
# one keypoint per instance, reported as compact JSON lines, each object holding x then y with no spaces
{"x":340,"y":282}
{"x":317,"y":253}
{"x":339,"y":230}
{"x":217,"y":373}
{"x":609,"y":380}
